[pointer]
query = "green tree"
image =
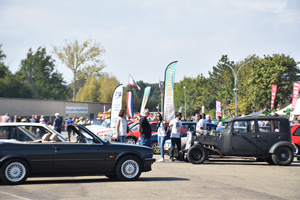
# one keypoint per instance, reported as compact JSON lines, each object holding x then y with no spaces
{"x":89,"y":92}
{"x":82,"y":59}
{"x":11,"y":85}
{"x":98,"y":89}
{"x":39,"y":74}
{"x":277,"y":69}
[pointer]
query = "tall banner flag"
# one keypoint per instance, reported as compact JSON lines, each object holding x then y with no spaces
{"x":169,"y":107}
{"x":130,"y":103}
{"x":273,"y":95}
{"x":145,"y":99}
{"x":202,"y":109}
{"x":133,"y":83}
{"x":116,"y":106}
{"x":295,"y":95}
{"x":218,"y":108}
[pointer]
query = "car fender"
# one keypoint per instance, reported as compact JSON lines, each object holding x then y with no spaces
{"x":7,"y":157}
{"x":126,"y":153}
{"x":280,"y":144}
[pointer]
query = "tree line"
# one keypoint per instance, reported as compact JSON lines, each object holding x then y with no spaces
{"x":38,"y":78}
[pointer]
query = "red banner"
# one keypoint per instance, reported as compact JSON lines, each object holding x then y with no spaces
{"x":273,"y":95}
{"x":218,"y":108}
{"x":295,"y":95}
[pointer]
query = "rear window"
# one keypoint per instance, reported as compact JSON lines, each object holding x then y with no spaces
{"x":268,"y":126}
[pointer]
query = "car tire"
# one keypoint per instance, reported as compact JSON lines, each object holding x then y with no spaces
{"x":283,"y":156}
{"x":14,"y":171}
{"x":129,"y":168}
{"x":197,"y":154}
{"x":155,"y":147}
{"x":130,"y":140}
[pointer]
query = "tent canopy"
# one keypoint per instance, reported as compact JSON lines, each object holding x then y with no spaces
{"x":295,"y":112}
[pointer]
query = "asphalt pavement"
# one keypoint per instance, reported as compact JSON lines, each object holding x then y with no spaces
{"x":215,"y":179}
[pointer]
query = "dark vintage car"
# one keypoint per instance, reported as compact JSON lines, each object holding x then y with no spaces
{"x":89,"y":155}
{"x":266,"y":138}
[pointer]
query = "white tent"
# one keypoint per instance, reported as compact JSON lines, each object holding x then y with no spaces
{"x":295,"y":112}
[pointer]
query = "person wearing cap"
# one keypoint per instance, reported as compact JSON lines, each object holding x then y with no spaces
{"x":57,"y":123}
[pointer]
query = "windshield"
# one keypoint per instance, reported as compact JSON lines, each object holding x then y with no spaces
{"x":106,"y":123}
{"x":227,"y":126}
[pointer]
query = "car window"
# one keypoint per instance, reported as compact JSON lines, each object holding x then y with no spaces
{"x":245,"y":126}
{"x":22,"y":135}
{"x":83,"y":136}
{"x":135,"y":127}
{"x":6,"y":133}
{"x":38,"y":130}
{"x":189,"y":127}
{"x":297,"y":132}
{"x":268,"y":126}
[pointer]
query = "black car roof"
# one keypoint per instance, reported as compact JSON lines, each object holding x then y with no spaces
{"x":255,"y":118}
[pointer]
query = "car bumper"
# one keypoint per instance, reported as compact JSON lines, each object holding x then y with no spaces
{"x":148,"y":163}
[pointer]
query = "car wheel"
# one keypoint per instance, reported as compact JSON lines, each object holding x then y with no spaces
{"x":130,"y":140}
{"x":196,"y":154}
{"x":283,"y":156}
{"x":14,"y":171}
{"x":155,"y":147}
{"x":129,"y":168}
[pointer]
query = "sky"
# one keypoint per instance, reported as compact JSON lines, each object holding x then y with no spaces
{"x":142,"y":37}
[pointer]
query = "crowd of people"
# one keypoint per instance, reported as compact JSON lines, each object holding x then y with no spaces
{"x":58,"y":124}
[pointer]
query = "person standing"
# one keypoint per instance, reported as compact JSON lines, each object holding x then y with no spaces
{"x":57,"y":123}
{"x":17,"y":118}
{"x":144,"y":129}
{"x":68,"y":122}
{"x":161,"y":136}
{"x":36,"y":119}
{"x":176,"y":132}
{"x":197,"y":120}
{"x":219,"y":122}
{"x":202,"y":122}
{"x":5,"y":118}
{"x":208,"y":119}
{"x":122,"y":126}
{"x":32,"y":119}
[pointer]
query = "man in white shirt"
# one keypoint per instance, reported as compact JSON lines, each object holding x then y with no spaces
{"x":197,"y":120}
{"x":176,"y":132}
{"x":202,"y":123}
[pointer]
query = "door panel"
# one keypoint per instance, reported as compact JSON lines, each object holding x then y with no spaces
{"x":268,"y":134}
{"x":79,"y":157}
{"x":243,"y":140}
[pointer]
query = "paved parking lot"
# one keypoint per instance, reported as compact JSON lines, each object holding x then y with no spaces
{"x":216,"y":179}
